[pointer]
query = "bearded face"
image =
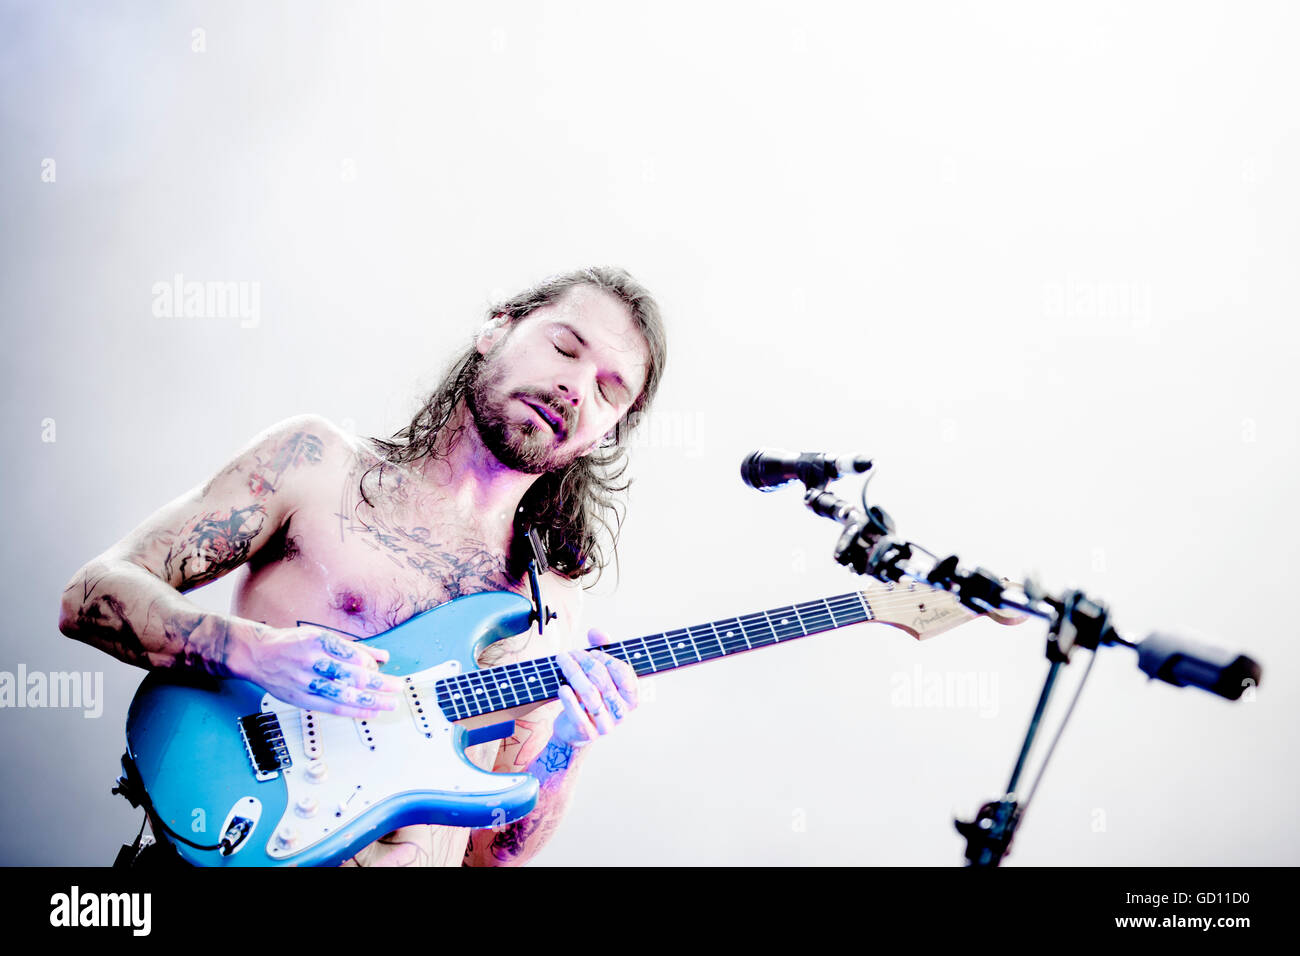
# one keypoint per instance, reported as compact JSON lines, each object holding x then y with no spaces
{"x":524,"y":439}
{"x":552,"y":384}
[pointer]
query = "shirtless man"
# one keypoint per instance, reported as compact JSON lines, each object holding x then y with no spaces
{"x":360,"y":535}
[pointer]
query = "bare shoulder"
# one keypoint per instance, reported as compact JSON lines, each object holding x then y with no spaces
{"x":224,"y":521}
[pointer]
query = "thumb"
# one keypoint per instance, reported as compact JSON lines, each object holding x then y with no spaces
{"x":596,"y":638}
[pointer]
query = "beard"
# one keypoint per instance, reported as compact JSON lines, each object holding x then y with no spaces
{"x":523,"y":446}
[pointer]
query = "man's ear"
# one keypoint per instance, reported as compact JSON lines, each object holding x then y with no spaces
{"x":492,"y":332}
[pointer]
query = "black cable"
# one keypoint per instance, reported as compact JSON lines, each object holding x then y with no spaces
{"x":152,"y":816}
{"x":1042,"y":768}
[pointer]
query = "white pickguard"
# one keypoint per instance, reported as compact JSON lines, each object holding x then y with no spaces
{"x":343,"y":767}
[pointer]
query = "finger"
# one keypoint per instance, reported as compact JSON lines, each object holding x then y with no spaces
{"x":624,"y":678}
{"x":596,"y":638}
{"x":353,"y":649}
{"x":577,"y":713}
{"x":342,"y":649}
{"x":352,"y":696}
{"x":357,"y":676}
{"x":611,"y":703}
{"x":617,"y":683}
{"x":319,"y":706}
{"x":328,"y":704}
{"x":576,"y":666}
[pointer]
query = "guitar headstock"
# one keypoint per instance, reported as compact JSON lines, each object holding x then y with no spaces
{"x":923,"y":611}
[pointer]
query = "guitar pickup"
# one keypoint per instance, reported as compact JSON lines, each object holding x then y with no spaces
{"x":420,"y":708}
{"x":311,"y":736}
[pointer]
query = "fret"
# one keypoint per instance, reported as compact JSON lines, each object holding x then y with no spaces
{"x":815,"y":617}
{"x":668,"y":643}
{"x":657,"y":645}
{"x":641,"y":658}
{"x":482,"y":693}
{"x":803,"y":631}
{"x":784,"y":627}
{"x":446,"y":700}
{"x":703,"y":635}
{"x":458,"y":694}
{"x":523,"y":688}
{"x":695,"y":647}
{"x":618,"y":651}
{"x":682,"y":652}
{"x":848,"y":609}
{"x":535,"y":683}
{"x":495,"y":699}
{"x":728,"y":644}
{"x":473,"y":703}
{"x":729,"y":631}
{"x":759,"y":624}
{"x":551,"y":674}
{"x":830,"y":609}
{"x":866,"y":606}
{"x":508,"y":681}
{"x":754,"y":630}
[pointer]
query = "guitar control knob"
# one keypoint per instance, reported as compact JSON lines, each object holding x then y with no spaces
{"x":306,"y":807}
{"x":286,"y":837}
{"x":316,"y":771}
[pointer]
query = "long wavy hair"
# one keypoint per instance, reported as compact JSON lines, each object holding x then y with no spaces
{"x":578,"y":510}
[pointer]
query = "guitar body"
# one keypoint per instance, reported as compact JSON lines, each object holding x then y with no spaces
{"x":310,"y":789}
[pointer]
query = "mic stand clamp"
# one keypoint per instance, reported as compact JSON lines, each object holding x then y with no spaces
{"x":989,"y":835}
{"x":1081,"y":622}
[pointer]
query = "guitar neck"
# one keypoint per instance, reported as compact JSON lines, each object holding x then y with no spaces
{"x":537,"y":681}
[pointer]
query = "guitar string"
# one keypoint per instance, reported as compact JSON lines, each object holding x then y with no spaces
{"x":825,"y":608}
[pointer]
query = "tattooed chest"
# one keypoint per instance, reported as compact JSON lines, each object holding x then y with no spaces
{"x":376,"y":575}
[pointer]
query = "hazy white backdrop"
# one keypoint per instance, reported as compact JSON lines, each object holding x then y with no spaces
{"x":1039,"y":260}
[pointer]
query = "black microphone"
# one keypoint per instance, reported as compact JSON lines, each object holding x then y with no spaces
{"x":1181,"y":662}
{"x":767,"y":469}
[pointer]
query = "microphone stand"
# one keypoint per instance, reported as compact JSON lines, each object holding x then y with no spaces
{"x":870,"y":547}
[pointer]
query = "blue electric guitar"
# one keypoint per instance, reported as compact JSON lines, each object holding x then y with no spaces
{"x":232,"y":776}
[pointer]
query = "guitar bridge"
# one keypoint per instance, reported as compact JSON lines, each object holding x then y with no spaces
{"x":264,"y":742}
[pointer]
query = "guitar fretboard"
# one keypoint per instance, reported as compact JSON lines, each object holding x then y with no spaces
{"x":535,"y":681}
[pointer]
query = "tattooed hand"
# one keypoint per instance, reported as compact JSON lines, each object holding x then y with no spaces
{"x":317,"y":669}
{"x":601,"y":691}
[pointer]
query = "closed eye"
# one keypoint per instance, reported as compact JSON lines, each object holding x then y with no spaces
{"x":600,"y":389}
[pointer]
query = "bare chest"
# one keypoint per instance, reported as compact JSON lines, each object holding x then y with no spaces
{"x":345,"y":564}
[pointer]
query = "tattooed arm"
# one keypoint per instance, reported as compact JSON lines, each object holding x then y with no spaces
{"x":532,"y":749}
{"x":601,"y":691}
{"x":129,"y":600}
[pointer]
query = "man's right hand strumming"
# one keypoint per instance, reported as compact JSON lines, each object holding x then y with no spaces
{"x":317,"y":669}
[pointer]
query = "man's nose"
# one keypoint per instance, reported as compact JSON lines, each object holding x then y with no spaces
{"x":570,"y":392}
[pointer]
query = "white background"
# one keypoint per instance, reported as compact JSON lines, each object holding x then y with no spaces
{"x":1038,"y":260}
